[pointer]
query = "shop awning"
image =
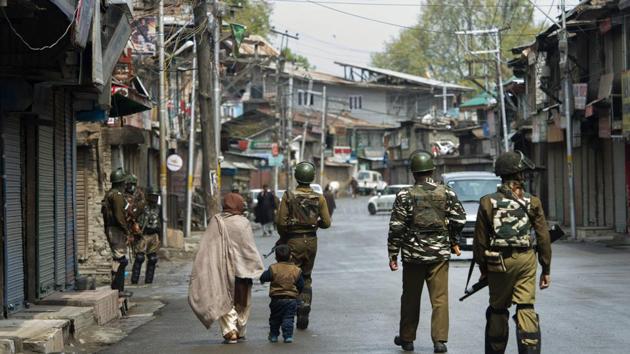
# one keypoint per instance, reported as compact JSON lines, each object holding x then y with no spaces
{"x":127,"y":100}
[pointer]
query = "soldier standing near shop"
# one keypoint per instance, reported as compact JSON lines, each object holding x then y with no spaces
{"x":425,"y":222}
{"x":114,"y":207}
{"x":504,"y":251}
{"x":148,"y":244}
{"x":301,"y":213}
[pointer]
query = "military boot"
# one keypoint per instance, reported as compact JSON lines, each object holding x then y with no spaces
{"x":406,"y":346}
{"x":439,"y":347}
{"x":137,"y":267}
{"x":302,"y":316}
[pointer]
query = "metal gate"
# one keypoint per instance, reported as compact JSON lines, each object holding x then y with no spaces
{"x":13,"y":241}
{"x":45,"y":211}
{"x":60,"y":188}
{"x":82,"y":202}
{"x":70,"y":193}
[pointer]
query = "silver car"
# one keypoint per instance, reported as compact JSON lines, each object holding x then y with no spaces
{"x":470,"y":187}
{"x":385,"y":201}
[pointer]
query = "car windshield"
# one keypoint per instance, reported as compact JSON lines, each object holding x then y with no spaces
{"x":473,"y":189}
{"x":391,"y":190}
{"x":363,"y":175}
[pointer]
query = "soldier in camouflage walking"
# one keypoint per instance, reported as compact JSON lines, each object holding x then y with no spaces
{"x":425,"y":222}
{"x":503,"y":249}
{"x":301,"y":213}
{"x":148,"y":243}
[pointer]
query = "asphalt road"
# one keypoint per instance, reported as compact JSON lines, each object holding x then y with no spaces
{"x":356,"y":301}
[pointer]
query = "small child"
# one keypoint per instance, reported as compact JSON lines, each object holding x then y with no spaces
{"x":286,"y":284}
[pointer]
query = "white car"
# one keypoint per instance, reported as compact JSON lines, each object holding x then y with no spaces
{"x":385,"y":200}
{"x":444,"y":147}
{"x":370,"y":182}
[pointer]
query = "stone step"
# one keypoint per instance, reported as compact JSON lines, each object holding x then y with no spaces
{"x":79,"y":317}
{"x":38,"y":336}
{"x":103,"y":301}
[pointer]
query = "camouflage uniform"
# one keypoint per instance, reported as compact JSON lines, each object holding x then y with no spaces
{"x":302,"y":239}
{"x":504,"y":223}
{"x":147,"y":242}
{"x":116,"y":229}
{"x":425,"y":237}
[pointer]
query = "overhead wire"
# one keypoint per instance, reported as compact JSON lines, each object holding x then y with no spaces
{"x":48,"y":46}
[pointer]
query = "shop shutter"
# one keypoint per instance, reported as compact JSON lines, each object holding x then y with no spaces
{"x":45,"y":211}
{"x":60,"y":191}
{"x":82,"y":201}
{"x":12,"y":170}
{"x":70,"y":193}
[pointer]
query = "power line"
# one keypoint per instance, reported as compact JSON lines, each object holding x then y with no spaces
{"x":38,"y":49}
{"x":354,"y":3}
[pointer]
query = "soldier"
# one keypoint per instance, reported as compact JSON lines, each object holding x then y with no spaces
{"x":425,"y":221}
{"x":135,"y":197}
{"x":113,"y":208}
{"x":301,"y":213}
{"x":503,"y":249}
{"x":149,"y":242}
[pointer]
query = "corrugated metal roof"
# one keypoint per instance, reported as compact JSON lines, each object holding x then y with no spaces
{"x":408,"y":77}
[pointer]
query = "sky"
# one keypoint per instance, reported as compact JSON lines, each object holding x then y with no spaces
{"x":326,"y":36}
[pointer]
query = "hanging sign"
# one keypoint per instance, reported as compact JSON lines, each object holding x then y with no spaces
{"x":174,"y":163}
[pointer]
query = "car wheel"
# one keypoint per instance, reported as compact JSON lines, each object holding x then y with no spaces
{"x":372,"y":209}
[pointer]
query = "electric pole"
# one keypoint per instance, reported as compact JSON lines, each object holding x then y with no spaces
{"x":191,"y":145}
{"x":162,"y":117}
{"x":208,"y":136}
{"x":323,"y":136}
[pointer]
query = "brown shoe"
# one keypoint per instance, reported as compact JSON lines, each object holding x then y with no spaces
{"x":230,"y":338}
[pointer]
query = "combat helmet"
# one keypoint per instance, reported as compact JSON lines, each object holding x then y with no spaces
{"x":153,"y":190}
{"x":304,"y":172}
{"x":421,"y":161}
{"x":132,"y":179}
{"x":512,"y":162}
{"x":117,"y":176}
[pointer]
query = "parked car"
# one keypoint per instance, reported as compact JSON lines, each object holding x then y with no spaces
{"x":370,"y":182}
{"x":444,"y":147}
{"x":470,"y":187}
{"x":384,"y":201}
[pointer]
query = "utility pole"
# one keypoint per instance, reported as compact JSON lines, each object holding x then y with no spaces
{"x":216,"y":73}
{"x":480,"y":53}
{"x":445,"y":96}
{"x":289,"y":134}
{"x":323,"y":136}
{"x":162,"y":118}
{"x":279,"y":69}
{"x":208,"y":143}
{"x":563,"y":48}
{"x":191,"y":145}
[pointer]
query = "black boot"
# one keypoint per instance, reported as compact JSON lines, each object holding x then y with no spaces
{"x":302,"y":316}
{"x":406,"y":346}
{"x":439,"y":347}
{"x":118,"y":282}
{"x":499,"y":342}
{"x":137,"y":267}
{"x":151,"y":263}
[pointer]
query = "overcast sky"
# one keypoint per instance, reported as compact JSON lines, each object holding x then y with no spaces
{"x":327,"y":36}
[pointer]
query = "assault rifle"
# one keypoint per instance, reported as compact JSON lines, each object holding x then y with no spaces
{"x":555,"y":233}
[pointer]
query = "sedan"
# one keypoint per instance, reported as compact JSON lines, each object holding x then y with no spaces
{"x":385,"y":201}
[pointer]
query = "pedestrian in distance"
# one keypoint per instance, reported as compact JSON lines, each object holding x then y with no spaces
{"x":354,"y":186}
{"x":223,"y":271}
{"x":330,"y":199}
{"x":301,"y":213}
{"x":503,"y":248}
{"x":425,"y":222}
{"x":114,"y":209}
{"x":286,"y":283}
{"x":265,"y":210}
{"x":147,"y":244}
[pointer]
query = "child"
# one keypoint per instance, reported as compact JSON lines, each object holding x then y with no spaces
{"x":286,"y":284}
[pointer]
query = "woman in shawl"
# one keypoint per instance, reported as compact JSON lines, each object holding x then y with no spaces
{"x":223,"y":269}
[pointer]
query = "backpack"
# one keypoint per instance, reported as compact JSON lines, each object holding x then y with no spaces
{"x":106,"y":208}
{"x":303,"y":208}
{"x":511,"y":221}
{"x":429,"y":208}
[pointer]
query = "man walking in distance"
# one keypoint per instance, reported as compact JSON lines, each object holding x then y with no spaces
{"x":113,"y":209}
{"x":301,"y":213}
{"x":148,"y":243}
{"x":425,"y":222}
{"x":503,"y":249}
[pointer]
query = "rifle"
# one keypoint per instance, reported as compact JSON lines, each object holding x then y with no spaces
{"x":555,"y":233}
{"x":270,"y":252}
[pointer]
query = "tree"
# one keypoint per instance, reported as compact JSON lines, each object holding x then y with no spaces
{"x":255,"y":15}
{"x":432,"y":45}
{"x":298,"y":59}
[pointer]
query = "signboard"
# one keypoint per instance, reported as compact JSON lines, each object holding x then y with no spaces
{"x":580,"y":92}
{"x":260,"y":145}
{"x":625,"y":100}
{"x":274,"y":149}
{"x":342,"y":153}
{"x":144,"y":35}
{"x":276,"y":160}
{"x":174,"y":163}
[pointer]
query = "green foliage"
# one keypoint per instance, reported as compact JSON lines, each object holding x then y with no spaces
{"x":431,"y":45}
{"x":298,"y":59}
{"x":255,"y":15}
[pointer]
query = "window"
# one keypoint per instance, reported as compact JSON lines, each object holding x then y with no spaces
{"x":305,"y":98}
{"x":355,"y":102}
{"x":300,"y":93}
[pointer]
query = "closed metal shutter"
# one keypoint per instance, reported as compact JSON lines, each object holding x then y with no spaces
{"x":83,"y":154}
{"x":60,"y":191}
{"x":12,"y":170}
{"x":70,"y":192}
{"x":45,"y":211}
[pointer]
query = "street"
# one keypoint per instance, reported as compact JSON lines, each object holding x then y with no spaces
{"x":356,"y":301}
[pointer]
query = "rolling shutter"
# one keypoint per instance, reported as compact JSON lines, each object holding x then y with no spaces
{"x":82,"y":202}
{"x":45,"y":211}
{"x":60,"y":191}
{"x":70,"y":193}
{"x":12,"y":170}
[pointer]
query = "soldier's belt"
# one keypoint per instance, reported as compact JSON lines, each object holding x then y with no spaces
{"x":301,"y":234}
{"x":508,"y":251}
